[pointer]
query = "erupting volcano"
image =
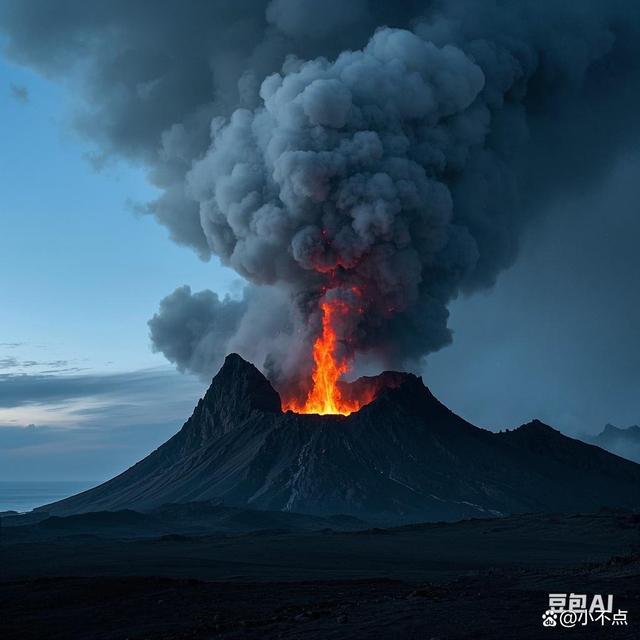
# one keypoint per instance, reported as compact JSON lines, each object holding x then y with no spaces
{"x":404,"y":457}
{"x":325,"y":395}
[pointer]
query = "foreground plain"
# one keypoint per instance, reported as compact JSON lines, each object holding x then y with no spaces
{"x":471,"y":579}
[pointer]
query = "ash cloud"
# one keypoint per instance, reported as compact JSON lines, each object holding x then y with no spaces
{"x":192,"y":328}
{"x":352,"y":144}
{"x":195,"y":331}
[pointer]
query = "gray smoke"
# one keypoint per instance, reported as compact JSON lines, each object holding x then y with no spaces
{"x":192,"y":329}
{"x":196,"y":330}
{"x":345,"y":145}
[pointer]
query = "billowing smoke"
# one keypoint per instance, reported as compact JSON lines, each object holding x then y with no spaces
{"x":341,"y":179}
{"x":194,"y":330}
{"x":388,"y":156}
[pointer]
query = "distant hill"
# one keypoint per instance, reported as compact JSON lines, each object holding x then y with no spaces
{"x":623,"y":442}
{"x":404,"y":457}
{"x":192,"y":518}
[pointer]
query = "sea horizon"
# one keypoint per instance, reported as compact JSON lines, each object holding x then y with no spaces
{"x":24,"y":495}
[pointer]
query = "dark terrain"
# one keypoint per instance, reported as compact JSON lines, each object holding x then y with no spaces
{"x":229,"y":529}
{"x":472,"y":579}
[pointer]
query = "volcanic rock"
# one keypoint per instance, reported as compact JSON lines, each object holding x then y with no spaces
{"x":404,"y":457}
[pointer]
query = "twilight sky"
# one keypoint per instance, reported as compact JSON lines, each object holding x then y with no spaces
{"x":82,"y":274}
{"x":82,"y":395}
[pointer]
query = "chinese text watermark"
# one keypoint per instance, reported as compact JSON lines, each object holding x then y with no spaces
{"x":570,"y":610}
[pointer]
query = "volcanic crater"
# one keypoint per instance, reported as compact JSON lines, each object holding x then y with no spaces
{"x":403,"y":457}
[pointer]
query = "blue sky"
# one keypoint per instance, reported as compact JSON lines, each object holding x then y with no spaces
{"x":82,"y":274}
{"x":69,"y":234}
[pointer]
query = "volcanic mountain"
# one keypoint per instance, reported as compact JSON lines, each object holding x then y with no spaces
{"x":403,"y":457}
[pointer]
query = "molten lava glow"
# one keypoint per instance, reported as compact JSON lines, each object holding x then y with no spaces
{"x":325,"y":396}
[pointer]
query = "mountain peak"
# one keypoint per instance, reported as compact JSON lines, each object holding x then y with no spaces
{"x":612,"y":430}
{"x":375,"y":386}
{"x":242,"y":387}
{"x":404,"y":456}
{"x":536,"y":426}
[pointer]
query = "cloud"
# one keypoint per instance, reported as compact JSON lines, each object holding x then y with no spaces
{"x":88,"y":426}
{"x":114,"y":392}
{"x":46,"y":366}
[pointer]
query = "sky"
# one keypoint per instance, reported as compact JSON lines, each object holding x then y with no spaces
{"x":557,"y":338}
{"x":82,"y":274}
{"x":82,"y":393}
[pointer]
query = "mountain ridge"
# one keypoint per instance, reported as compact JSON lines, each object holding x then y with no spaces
{"x":403,"y":457}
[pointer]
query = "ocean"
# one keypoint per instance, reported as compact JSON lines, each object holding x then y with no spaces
{"x":24,"y":496}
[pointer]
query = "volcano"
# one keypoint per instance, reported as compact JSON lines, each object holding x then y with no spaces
{"x":403,"y":457}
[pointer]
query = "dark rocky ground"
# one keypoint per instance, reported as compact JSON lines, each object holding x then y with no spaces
{"x":473,"y":579}
{"x":503,"y":605}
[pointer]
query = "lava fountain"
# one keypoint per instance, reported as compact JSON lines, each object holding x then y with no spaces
{"x":325,"y":396}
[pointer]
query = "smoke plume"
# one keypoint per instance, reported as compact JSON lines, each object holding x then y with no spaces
{"x":391,"y":157}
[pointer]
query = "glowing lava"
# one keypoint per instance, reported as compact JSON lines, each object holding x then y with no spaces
{"x":325,"y":396}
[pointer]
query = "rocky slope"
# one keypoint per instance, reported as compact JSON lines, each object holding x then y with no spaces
{"x":404,"y":457}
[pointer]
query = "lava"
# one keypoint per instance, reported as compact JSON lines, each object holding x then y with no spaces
{"x":325,"y":396}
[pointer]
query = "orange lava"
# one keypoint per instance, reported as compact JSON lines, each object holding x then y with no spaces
{"x":325,"y":396}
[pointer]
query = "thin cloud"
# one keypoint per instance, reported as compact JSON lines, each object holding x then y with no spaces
{"x":112,"y":420}
{"x":14,"y":365}
{"x":24,"y":389}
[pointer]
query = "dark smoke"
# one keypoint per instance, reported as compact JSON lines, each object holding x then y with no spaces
{"x":194,"y":330}
{"x":203,"y":323}
{"x":399,"y":152}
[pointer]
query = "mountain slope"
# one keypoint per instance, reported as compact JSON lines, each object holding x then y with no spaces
{"x":403,"y":457}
